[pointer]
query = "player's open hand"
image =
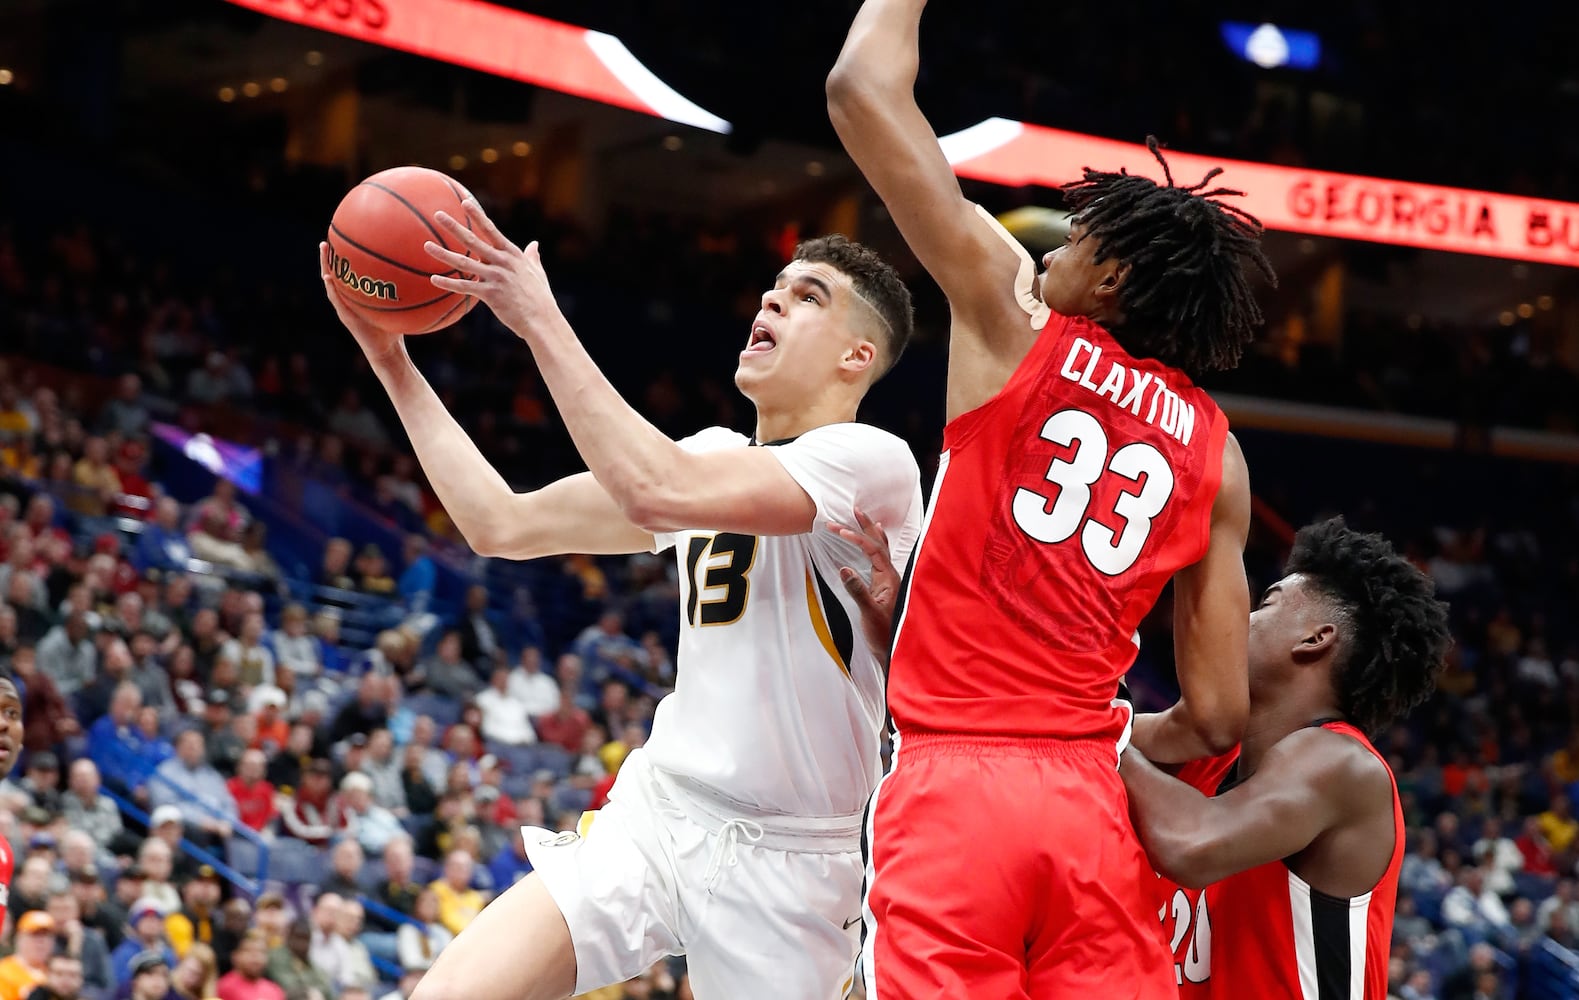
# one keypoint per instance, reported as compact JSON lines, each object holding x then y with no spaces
{"x":877,"y":597}
{"x":509,"y":279}
{"x":375,"y":343}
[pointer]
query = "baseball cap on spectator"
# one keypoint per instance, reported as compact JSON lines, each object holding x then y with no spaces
{"x":36,"y":816}
{"x":488,"y":762}
{"x":486,"y":793}
{"x":41,"y":839}
{"x":133,"y":873}
{"x":271,"y":901}
{"x":543,"y":774}
{"x":219,"y":697}
{"x":163,"y":815}
{"x":313,"y":701}
{"x":87,"y":876}
{"x":268,"y":696}
{"x":357,"y":740}
{"x":146,"y":906}
{"x":147,"y":961}
{"x":44,"y":760}
{"x":205,"y":873}
{"x":35,"y":922}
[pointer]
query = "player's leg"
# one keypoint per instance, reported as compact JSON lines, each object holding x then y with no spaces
{"x":1097,"y":932}
{"x":524,"y":927}
{"x":789,"y":919}
{"x":949,"y":891}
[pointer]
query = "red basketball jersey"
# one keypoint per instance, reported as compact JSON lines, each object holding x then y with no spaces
{"x":1265,"y":933}
{"x":7,"y":865}
{"x":1061,"y":508}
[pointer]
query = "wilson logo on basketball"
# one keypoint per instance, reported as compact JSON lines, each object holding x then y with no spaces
{"x":371,"y":287}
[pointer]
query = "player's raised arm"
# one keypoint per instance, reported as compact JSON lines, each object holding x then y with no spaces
{"x":1211,"y":605}
{"x":572,"y":515}
{"x":1308,"y":784}
{"x":655,"y":484}
{"x":871,"y":101}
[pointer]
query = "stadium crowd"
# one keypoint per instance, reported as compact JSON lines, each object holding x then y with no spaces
{"x":255,"y":775}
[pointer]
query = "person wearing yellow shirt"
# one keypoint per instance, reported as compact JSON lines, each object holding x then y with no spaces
{"x":459,"y":903}
{"x":1565,"y":762}
{"x":28,"y":967}
{"x":1558,"y":825}
{"x":194,"y":922}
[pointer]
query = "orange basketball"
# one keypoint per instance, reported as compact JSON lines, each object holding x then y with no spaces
{"x":376,"y":255}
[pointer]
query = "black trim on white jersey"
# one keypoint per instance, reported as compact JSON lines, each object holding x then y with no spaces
{"x":838,"y":619}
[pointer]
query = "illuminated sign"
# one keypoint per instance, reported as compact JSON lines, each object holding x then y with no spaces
{"x":1291,"y":199}
{"x":1270,"y":46}
{"x":507,"y":43}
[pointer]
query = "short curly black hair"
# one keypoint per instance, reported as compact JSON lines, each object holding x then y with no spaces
{"x":1397,"y":631}
{"x":875,"y":281}
{"x":1186,"y":301}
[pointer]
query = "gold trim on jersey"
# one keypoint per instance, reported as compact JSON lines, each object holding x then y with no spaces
{"x":819,"y":624}
{"x":584,"y":824}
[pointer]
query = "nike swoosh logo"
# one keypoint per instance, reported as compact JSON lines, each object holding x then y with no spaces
{"x":851,"y":923}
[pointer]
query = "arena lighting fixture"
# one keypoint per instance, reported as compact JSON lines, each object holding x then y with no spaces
{"x":1270,"y":46}
{"x":1311,"y":202}
{"x":507,"y":43}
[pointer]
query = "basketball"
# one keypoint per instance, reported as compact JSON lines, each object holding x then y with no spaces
{"x":377,"y":260}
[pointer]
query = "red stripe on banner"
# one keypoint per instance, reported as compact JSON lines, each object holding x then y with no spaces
{"x":1289,"y":198}
{"x":468,"y":33}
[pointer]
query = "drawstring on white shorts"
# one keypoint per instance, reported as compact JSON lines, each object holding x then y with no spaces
{"x":726,"y":853}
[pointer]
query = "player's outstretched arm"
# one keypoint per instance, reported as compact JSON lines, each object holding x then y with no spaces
{"x":871,"y":101}
{"x":656,"y":484}
{"x":1309,"y":783}
{"x":1211,"y":615}
{"x":572,"y":515}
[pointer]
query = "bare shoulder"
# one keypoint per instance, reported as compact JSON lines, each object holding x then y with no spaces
{"x":1333,"y":765}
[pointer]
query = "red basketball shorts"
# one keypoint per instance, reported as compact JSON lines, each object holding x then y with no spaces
{"x":1008,"y":868}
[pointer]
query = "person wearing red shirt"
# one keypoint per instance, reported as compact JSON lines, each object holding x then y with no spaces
{"x":245,"y":979}
{"x":254,"y":795}
{"x":1083,"y":470}
{"x":565,"y":727}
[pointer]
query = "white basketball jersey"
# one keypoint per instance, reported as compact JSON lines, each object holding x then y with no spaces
{"x":779,"y":702}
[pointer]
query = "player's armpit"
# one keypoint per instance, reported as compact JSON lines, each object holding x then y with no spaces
{"x":742,"y":490}
{"x":871,"y":102}
{"x":1211,"y":616}
{"x":575,"y":514}
{"x":1303,"y":788}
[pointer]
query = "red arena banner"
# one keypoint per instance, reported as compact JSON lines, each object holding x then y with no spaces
{"x":507,"y":43}
{"x":1288,"y":198}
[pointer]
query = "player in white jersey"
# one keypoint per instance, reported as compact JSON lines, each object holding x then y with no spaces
{"x":734,"y":837}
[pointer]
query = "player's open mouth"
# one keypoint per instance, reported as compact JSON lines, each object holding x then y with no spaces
{"x":761,"y":340}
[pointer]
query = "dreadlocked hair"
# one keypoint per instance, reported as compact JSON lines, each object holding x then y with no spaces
{"x":1397,"y":634}
{"x":1186,"y":300}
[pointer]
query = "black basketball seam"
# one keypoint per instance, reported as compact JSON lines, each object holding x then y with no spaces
{"x":440,"y":321}
{"x":420,"y":305}
{"x":388,"y":260}
{"x":437,"y":236}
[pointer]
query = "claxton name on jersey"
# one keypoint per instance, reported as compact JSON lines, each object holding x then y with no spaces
{"x":361,"y":283}
{"x":1141,"y":393}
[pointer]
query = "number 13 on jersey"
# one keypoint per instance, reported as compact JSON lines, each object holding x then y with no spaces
{"x":1147,"y":487}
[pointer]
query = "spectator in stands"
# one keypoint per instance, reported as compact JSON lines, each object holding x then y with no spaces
{"x":311,"y":814}
{"x":459,"y":903}
{"x":28,"y":966}
{"x":66,"y":654}
{"x":126,"y":414}
{"x":146,"y":921}
{"x":479,"y":637}
{"x":273,"y":918}
{"x":531,"y":686}
{"x":270,"y":730}
{"x":30,"y":886}
{"x":345,"y":866}
{"x":254,"y":659}
{"x":363,"y":714}
{"x":1472,"y":907}
{"x":381,"y":765}
{"x":95,"y":478}
{"x":418,"y":945}
{"x":114,"y":742}
{"x":421,"y":798}
{"x":198,"y":918}
{"x":84,"y":943}
{"x":1557,"y":823}
{"x":205,"y":802}
{"x":94,"y":700}
{"x":1470,"y":983}
{"x":335,"y":569}
{"x":136,"y":497}
{"x":1563,"y":898}
{"x":419,"y":579}
{"x":372,"y":572}
{"x":510,"y":864}
{"x":607,"y":652}
{"x":162,"y":545}
{"x":62,"y":979}
{"x":196,"y":976}
{"x":219,"y":380}
{"x":371,"y":824}
{"x":150,"y":675}
{"x":567,"y":726}
{"x":356,"y":967}
{"x":50,"y":721}
{"x":435,"y":762}
{"x":33,"y":623}
{"x":41,"y":782}
{"x":285,"y":769}
{"x":216,"y":527}
{"x":1500,"y":857}
{"x":356,"y":423}
{"x":245,"y":981}
{"x":77,"y":850}
{"x":294,"y":648}
{"x":9,"y":640}
{"x":326,"y":631}
{"x":206,"y":639}
{"x":97,"y":911}
{"x":290,"y":966}
{"x":252,"y":792}
{"x":157,"y":855}
{"x":505,"y":719}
